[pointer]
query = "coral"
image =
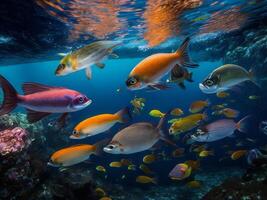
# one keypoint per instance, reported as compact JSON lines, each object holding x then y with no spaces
{"x":14,"y":140}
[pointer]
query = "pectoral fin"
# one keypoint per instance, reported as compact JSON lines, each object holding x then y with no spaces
{"x":100,"y":65}
{"x":34,"y":116}
{"x":158,"y":86}
{"x":88,"y":72}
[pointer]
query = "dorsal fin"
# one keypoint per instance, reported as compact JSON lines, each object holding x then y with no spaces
{"x":30,"y":88}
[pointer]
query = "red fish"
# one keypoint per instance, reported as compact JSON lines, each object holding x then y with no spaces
{"x":41,"y":100}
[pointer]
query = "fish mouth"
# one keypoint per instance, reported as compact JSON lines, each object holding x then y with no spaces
{"x":107,"y":150}
{"x":206,"y":89}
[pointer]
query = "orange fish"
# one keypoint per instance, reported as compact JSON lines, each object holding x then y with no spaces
{"x":198,"y":106}
{"x":238,"y":154}
{"x":149,"y":71}
{"x":230,"y":113}
{"x":74,"y":154}
{"x":99,"y":124}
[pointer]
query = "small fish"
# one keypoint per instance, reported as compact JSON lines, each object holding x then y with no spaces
{"x":199,"y":148}
{"x":74,"y":154}
{"x":218,"y":107}
{"x":115,"y":164}
{"x":186,"y":123}
{"x":100,"y":192}
{"x":99,"y":124}
{"x":132,"y":167}
{"x":101,"y":169}
{"x":150,"y":158}
{"x":145,"y":180}
{"x":252,"y":155}
{"x":178,"y":75}
{"x":125,"y":162}
{"x":136,"y":138}
{"x":156,"y":113}
{"x":219,"y":129}
{"x":238,"y":154}
{"x":254,"y":97}
{"x":177,"y":112}
{"x":222,"y":94}
{"x":149,"y":71}
{"x":41,"y":100}
{"x":205,"y":153}
{"x":225,"y":77}
{"x":194,"y":164}
{"x":180,"y":171}
{"x":145,"y":169}
{"x":105,"y":198}
{"x":85,"y":57}
{"x":194,"y":184}
{"x":178,"y":152}
{"x":198,"y":106}
{"x":229,"y":112}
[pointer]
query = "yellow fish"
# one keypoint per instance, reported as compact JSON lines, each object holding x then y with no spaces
{"x":73,"y":155}
{"x":146,"y":169}
{"x":222,"y":94}
{"x":229,"y":112}
{"x":99,"y":124}
{"x":177,"y":112}
{"x":132,"y":167}
{"x":205,"y":153}
{"x":105,"y":198}
{"x":100,"y":168}
{"x":100,"y":192}
{"x":156,"y":113}
{"x":186,"y":123}
{"x":194,"y":184}
{"x":115,"y":164}
{"x":238,"y":154}
{"x":150,"y":158}
{"x":254,"y":97}
{"x":198,"y":106}
{"x":145,"y":180}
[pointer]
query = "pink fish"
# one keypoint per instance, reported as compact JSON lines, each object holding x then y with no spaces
{"x":41,"y":100}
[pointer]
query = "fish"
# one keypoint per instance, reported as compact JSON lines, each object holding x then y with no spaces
{"x":186,"y":124}
{"x":194,"y":164}
{"x":177,"y":112}
{"x":125,"y":162}
{"x":178,"y":152}
{"x":145,"y":169}
{"x":180,"y":171}
{"x":225,"y":77}
{"x":238,"y":154}
{"x":115,"y":164}
{"x":131,"y":167}
{"x":198,"y":148}
{"x":85,"y":57}
{"x":156,"y":113}
{"x":145,"y":180}
{"x":74,"y":154}
{"x":101,"y":169}
{"x":178,"y":75}
{"x":198,"y":106}
{"x":218,"y":107}
{"x":254,"y":154}
{"x":41,"y":100}
{"x":99,"y":123}
{"x":195,"y":184}
{"x":150,"y":158}
{"x":137,"y":137}
{"x":150,"y":70}
{"x":219,"y":129}
{"x":105,"y":198}
{"x":254,"y":97}
{"x":229,"y":113}
{"x":205,"y":153}
{"x":222,"y":94}
{"x":100,"y":192}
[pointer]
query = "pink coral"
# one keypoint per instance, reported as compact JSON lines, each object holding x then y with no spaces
{"x":14,"y":140}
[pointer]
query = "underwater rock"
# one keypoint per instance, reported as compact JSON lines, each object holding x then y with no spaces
{"x":14,"y":140}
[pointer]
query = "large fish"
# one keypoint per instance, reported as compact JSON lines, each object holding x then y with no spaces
{"x":225,"y":77}
{"x":85,"y":57}
{"x":149,"y":71}
{"x":41,"y":100}
{"x":136,"y":138}
{"x":99,"y":124}
{"x":219,"y":129}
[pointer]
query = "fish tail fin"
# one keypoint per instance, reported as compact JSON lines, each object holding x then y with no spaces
{"x":99,"y":146}
{"x":189,"y":77}
{"x":184,"y":57}
{"x":154,"y":180}
{"x":124,"y":115}
{"x":242,"y":125}
{"x":10,"y":96}
{"x":211,"y":153}
{"x":162,"y":135}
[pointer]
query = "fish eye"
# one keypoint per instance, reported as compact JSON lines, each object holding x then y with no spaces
{"x":111,"y":146}
{"x":131,"y":81}
{"x":209,"y":82}
{"x":74,"y":132}
{"x":80,"y":99}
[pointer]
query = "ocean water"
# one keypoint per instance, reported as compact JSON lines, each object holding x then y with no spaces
{"x":219,"y":31}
